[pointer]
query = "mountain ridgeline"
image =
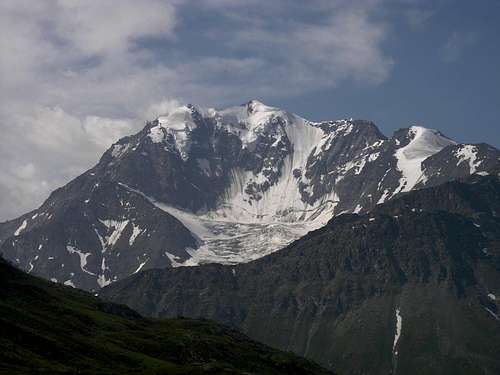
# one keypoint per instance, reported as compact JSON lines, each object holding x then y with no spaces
{"x":225,"y":186}
{"x":412,"y":287}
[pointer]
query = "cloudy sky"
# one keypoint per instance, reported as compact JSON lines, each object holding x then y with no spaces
{"x":77,"y":75}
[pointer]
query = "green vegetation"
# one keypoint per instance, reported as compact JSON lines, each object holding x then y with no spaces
{"x":52,"y":329}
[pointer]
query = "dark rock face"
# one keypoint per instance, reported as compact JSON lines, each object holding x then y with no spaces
{"x":410,"y":288}
{"x":200,"y":185}
{"x":91,"y":233}
{"x":455,"y":161}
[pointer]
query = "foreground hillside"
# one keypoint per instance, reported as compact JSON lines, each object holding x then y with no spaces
{"x":411,"y":288}
{"x":52,"y":329}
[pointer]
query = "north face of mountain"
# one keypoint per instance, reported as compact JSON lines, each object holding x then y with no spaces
{"x":410,"y":288}
{"x":227,"y":186}
{"x":53,"y":329}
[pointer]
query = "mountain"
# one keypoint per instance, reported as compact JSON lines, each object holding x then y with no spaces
{"x":227,"y":186}
{"x":53,"y":329}
{"x":412,"y":287}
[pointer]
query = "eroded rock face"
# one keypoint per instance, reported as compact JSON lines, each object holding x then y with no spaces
{"x":411,"y":287}
{"x":200,"y":185}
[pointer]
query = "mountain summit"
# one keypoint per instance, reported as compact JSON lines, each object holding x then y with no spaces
{"x":201,"y":185}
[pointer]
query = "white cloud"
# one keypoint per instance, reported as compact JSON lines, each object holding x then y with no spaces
{"x":95,"y":27}
{"x":68,"y":70}
{"x":102,"y":132}
{"x":161,"y":108}
{"x":46,"y":149}
{"x":25,"y":171}
{"x":53,"y":50}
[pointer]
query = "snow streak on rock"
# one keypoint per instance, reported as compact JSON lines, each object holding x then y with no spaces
{"x":468,"y":154}
{"x":21,"y":228}
{"x":399,"y":326}
{"x":83,"y":258}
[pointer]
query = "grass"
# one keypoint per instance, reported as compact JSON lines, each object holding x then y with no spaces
{"x":48,"y":328}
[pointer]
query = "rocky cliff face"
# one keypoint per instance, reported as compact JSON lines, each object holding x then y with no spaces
{"x":200,"y":185}
{"x":412,"y":287}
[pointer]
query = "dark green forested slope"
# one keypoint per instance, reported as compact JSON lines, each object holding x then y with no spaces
{"x":51,"y":329}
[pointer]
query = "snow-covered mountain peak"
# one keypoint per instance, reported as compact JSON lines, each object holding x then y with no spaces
{"x":253,"y":112}
{"x":204,"y":185}
{"x":255,"y":119}
{"x":423,"y":142}
{"x":178,"y":118}
{"x":176,"y":127}
{"x":257,"y":106}
{"x":250,"y":122}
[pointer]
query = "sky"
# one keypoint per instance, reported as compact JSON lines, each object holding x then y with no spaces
{"x":77,"y":75}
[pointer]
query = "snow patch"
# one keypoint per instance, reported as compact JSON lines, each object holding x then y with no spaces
{"x":21,"y":228}
{"x":117,"y":227}
{"x":468,"y":153}
{"x":249,"y":120}
{"x":101,"y":279}
{"x":156,"y":134}
{"x":140,"y":266}
{"x":119,"y":150}
{"x":424,"y":143}
{"x":135,"y":232}
{"x":173,"y":259}
{"x":83,"y":258}
{"x":384,"y":196}
{"x":399,"y":326}
{"x":69,"y":283}
{"x":179,"y":124}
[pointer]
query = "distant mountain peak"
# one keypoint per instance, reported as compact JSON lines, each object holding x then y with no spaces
{"x":201,"y":185}
{"x":422,"y":143}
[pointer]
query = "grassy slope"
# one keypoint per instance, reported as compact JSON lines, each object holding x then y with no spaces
{"x":49,"y":328}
